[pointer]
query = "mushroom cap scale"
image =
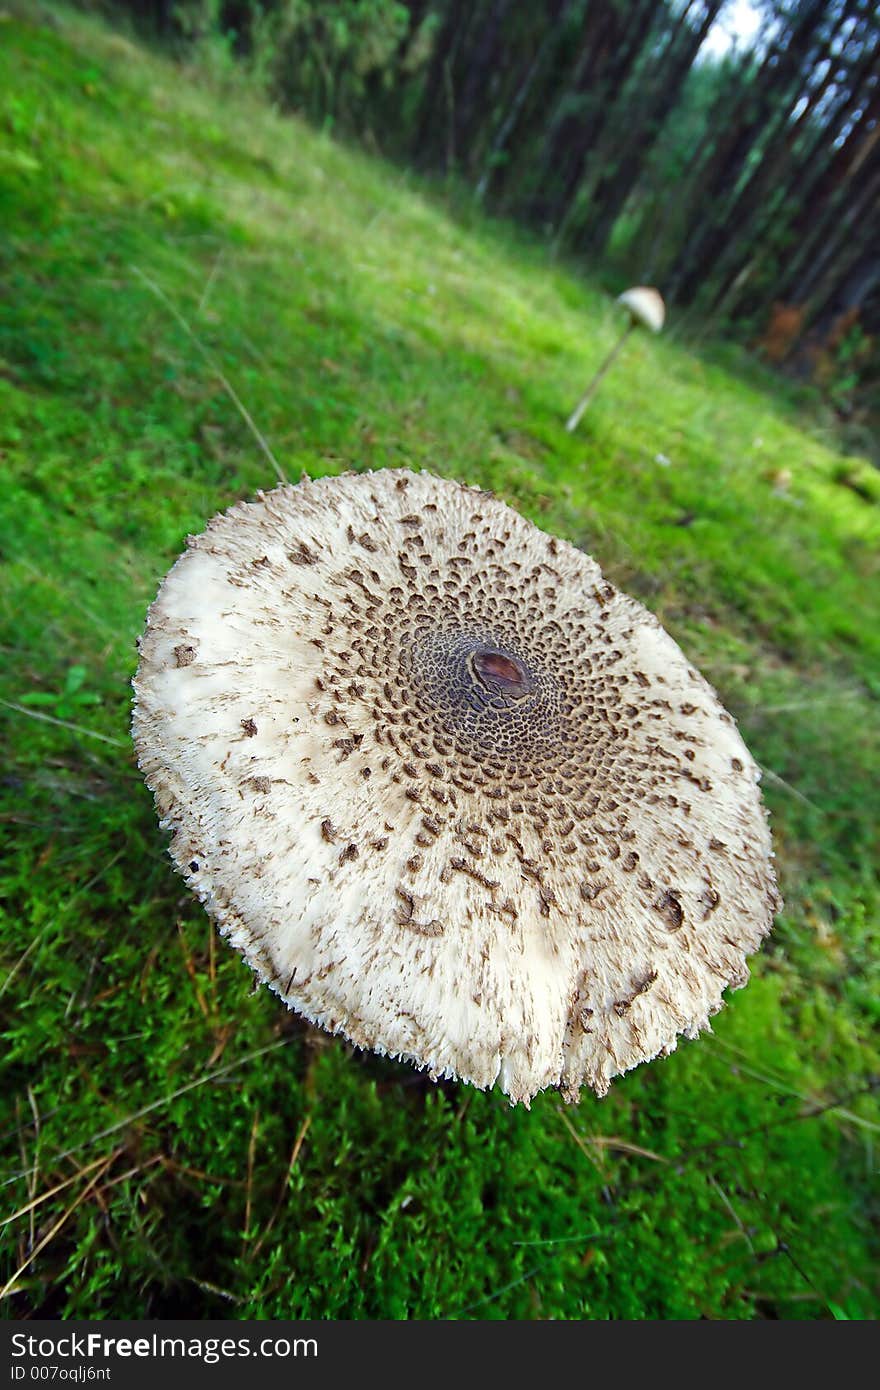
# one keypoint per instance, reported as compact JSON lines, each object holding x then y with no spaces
{"x":645,"y":306}
{"x":448,"y":791}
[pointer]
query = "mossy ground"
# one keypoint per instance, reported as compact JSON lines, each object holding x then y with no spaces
{"x":211,"y":1155}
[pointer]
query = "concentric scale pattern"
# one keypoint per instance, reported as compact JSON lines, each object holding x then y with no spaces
{"x":450,"y":792}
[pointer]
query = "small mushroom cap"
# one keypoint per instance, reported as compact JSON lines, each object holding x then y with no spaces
{"x":449,"y":792}
{"x":645,"y":307}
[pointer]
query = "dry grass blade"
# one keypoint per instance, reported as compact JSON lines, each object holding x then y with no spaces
{"x":63,"y":724}
{"x":505,"y":1288}
{"x":74,"y":898}
{"x":213,"y":1179}
{"x":163,"y":1100}
{"x":224,"y":381}
{"x":578,"y":1139}
{"x":51,"y":1192}
{"x":817,"y":1105}
{"x":252,"y":1149}
{"x":789,"y":705}
{"x":209,"y":283}
{"x":33,"y":1180}
{"x":792,"y":791}
{"x":34,"y":941}
{"x":294,"y":1155}
{"x":731,"y":1209}
{"x":9,"y":1286}
{"x":189,"y":963}
{"x":607,"y":1141}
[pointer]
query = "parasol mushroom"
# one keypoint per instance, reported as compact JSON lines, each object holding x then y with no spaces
{"x":646,"y":309}
{"x":450,"y":793}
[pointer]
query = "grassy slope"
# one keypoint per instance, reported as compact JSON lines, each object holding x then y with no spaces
{"x":363,"y":328}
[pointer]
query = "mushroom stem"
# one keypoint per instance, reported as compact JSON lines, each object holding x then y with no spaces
{"x":574,"y":419}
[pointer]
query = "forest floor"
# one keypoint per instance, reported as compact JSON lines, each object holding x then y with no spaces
{"x":176,"y":1144}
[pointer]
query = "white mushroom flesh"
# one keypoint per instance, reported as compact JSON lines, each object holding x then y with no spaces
{"x":449,"y":792}
{"x":645,"y":306}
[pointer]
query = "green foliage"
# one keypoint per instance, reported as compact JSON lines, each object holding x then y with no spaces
{"x":211,"y":1154}
{"x":323,"y":56}
{"x":69,"y":700}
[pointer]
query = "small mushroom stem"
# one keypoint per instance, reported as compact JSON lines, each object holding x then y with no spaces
{"x":574,"y":418}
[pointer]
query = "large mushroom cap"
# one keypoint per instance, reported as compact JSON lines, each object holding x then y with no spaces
{"x":450,"y":792}
{"x":645,"y":306}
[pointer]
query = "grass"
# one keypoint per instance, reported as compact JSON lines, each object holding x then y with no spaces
{"x":175,"y":1144}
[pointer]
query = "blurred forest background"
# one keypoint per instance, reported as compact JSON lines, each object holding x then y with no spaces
{"x":739,"y":175}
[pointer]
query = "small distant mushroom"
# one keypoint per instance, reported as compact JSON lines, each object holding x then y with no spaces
{"x":646,"y":308}
{"x":450,"y":793}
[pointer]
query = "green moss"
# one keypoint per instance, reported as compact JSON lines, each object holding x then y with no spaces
{"x":364,"y":326}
